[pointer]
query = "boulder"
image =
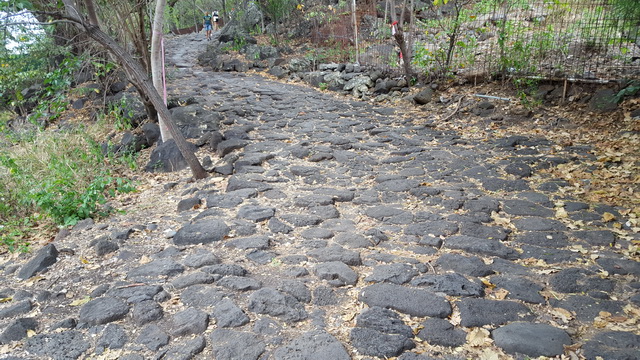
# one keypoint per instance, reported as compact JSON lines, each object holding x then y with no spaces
{"x":167,"y":158}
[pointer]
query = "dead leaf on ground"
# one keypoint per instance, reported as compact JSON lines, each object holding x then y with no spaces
{"x":562,"y":314}
{"x":607,"y":217}
{"x":489,"y":354}
{"x":479,"y":337}
{"x":82,"y":301}
{"x":500,"y":294}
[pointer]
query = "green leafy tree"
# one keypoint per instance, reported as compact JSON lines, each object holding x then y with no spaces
{"x":277,"y":10}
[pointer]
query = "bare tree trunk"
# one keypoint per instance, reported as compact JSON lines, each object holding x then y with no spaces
{"x":386,"y":8}
{"x":156,"y":61}
{"x":139,"y":77}
{"x":400,"y":40}
{"x":224,"y":10}
{"x":91,"y":11}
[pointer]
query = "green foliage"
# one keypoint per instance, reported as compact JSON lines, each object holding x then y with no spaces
{"x":631,"y":90}
{"x":334,"y":53}
{"x":453,"y":47}
{"x":59,"y":178}
{"x":526,"y":89}
{"x":115,"y":114}
{"x":627,"y":12}
{"x":323,"y":86}
{"x":277,"y":10}
{"x":237,"y":45}
{"x":28,"y":64}
{"x":52,"y":97}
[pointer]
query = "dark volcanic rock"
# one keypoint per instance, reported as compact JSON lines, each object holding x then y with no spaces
{"x":392,"y":273}
{"x":450,"y":284}
{"x":45,"y":257}
{"x":65,"y":345}
{"x":202,"y":232}
{"x":468,"y":265}
{"x":103,"y":310}
{"x":617,"y":345}
{"x":19,"y":308}
{"x":375,"y":343}
{"x":135,"y":294}
{"x":189,"y":321}
{"x":479,"y":312}
{"x":272,"y":302}
{"x":531,"y":339}
{"x":519,"y":288}
{"x":192,"y":279}
{"x":236,"y":345}
{"x":166,"y":157}
{"x":239,"y":283}
{"x":441,"y":332}
{"x":619,"y":266}
{"x":336,"y":273}
{"x":336,"y":253}
{"x":256,"y":213}
{"x":186,"y":350}
{"x":587,"y":308}
{"x":17,"y":330}
{"x":152,"y":337}
{"x":201,"y":295}
{"x":160,"y":267}
{"x":383,"y":320}
{"x":415,"y":302}
{"x":575,"y":280}
{"x":113,"y":337}
{"x":482,"y":246}
{"x":525,"y":208}
{"x":550,"y":239}
{"x":312,"y":345}
{"x":146,"y":311}
{"x":228,"y":314}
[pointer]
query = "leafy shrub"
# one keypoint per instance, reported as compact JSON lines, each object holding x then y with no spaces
{"x":59,"y":178}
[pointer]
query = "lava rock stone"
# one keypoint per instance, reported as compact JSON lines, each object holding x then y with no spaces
{"x":531,"y":339}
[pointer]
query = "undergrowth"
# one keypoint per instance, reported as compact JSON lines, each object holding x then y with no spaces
{"x":56,"y":179}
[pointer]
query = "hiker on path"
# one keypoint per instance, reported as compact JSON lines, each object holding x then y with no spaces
{"x":216,"y":18}
{"x":207,"y":24}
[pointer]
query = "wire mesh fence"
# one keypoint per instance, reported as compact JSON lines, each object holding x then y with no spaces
{"x":580,"y":39}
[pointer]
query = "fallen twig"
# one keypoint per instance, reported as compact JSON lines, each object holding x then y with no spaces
{"x":455,"y":110}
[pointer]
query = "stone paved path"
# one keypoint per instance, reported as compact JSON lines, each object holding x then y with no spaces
{"x":344,"y":231}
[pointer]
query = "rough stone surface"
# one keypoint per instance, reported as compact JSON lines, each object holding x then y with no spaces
{"x":228,"y":314}
{"x":17,"y":330}
{"x":612,"y":345}
{"x":312,"y":345}
{"x":326,"y":212}
{"x":479,"y":312}
{"x":103,"y":310}
{"x":406,"y":300}
{"x":202,"y":232}
{"x":153,"y":337}
{"x":189,"y":321}
{"x":64,"y":345}
{"x":272,"y":302}
{"x":531,"y":339}
{"x":451,"y":284}
{"x":44,"y":258}
{"x":441,"y":332}
{"x":236,"y":345}
{"x":336,"y":273}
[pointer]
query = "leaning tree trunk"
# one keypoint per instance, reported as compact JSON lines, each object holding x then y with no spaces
{"x":157,"y":66}
{"x":139,"y":77}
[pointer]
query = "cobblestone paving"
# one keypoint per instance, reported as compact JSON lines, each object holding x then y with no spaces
{"x":343,"y":230}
